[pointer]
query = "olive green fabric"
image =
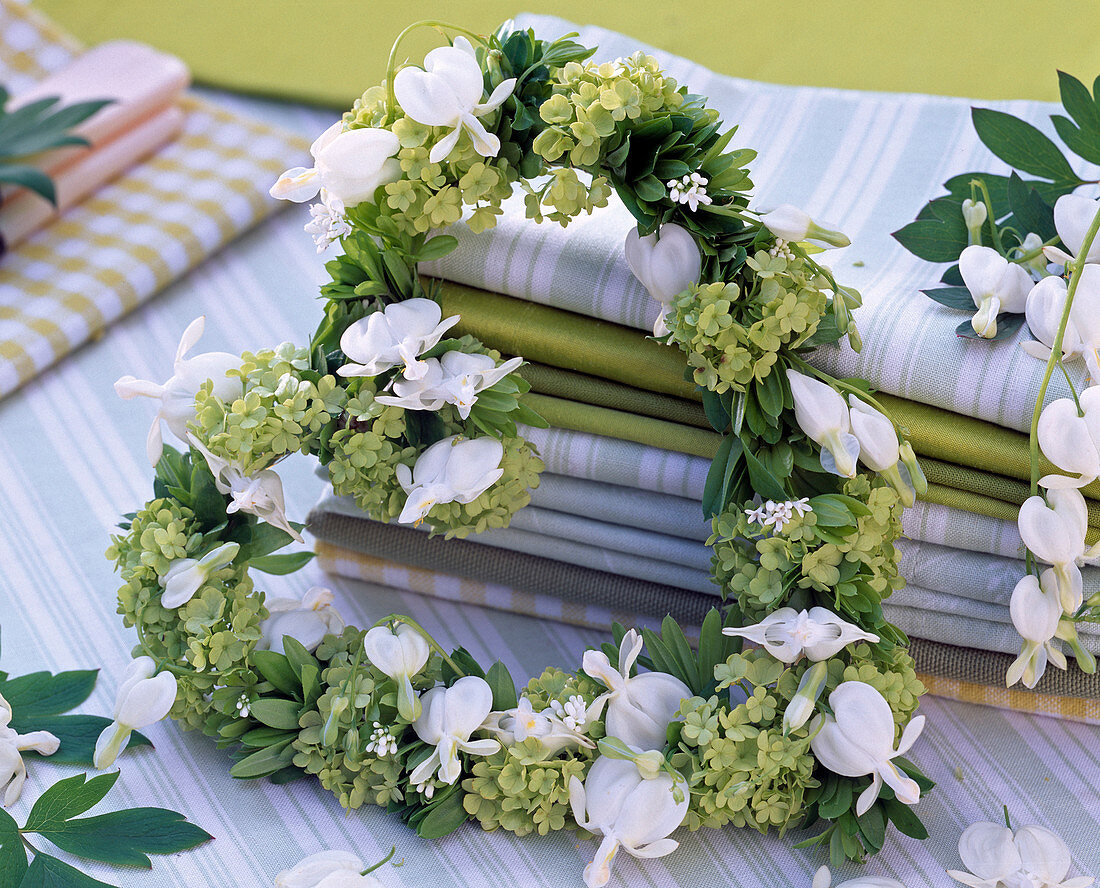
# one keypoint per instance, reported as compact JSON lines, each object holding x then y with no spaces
{"x":330,"y":52}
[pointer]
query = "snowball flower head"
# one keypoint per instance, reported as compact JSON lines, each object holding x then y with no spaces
{"x":639,"y":708}
{"x":1031,"y":857}
{"x":307,"y":620}
{"x":788,"y":635}
{"x":448,"y":93}
{"x":455,"y":469}
{"x":177,"y":393}
{"x":394,"y":337}
{"x":858,"y":739}
{"x":629,"y":811}
{"x":995,"y":284}
{"x":348,"y":167}
{"x":144,"y":698}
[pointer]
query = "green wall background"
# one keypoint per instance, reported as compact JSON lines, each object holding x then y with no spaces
{"x":328,"y":51}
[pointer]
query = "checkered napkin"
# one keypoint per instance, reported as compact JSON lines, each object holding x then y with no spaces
{"x":134,"y":236}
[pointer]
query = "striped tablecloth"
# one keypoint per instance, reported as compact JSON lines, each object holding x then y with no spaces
{"x":72,"y":460}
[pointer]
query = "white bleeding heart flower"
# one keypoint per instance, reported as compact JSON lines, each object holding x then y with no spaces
{"x":1032,"y":858}
{"x":400,"y":653}
{"x":455,"y":378}
{"x":666,"y":263}
{"x":348,"y":167}
{"x":448,"y":717}
{"x":1071,"y":442}
{"x":1036,"y":611}
{"x":879,"y":447}
{"x":995,"y":284}
{"x":1073,"y":215}
{"x":422,"y":393}
{"x":260,"y":494}
{"x":640,"y":707}
{"x":511,"y":726}
{"x":13,"y":771}
{"x":327,"y":869}
{"x":792,"y":224}
{"x":143,"y":699}
{"x":394,"y":337}
{"x":1045,"y":305}
{"x":455,"y":469}
{"x":788,"y":635}
{"x":804,"y":701}
{"x":177,"y":393}
{"x":307,"y":620}
{"x":186,"y":576}
{"x":448,"y":93}
{"x":824,"y":879}
{"x":1054,"y":531}
{"x":1033,"y":244}
{"x":628,"y":811}
{"x":822,"y":414}
{"x":858,"y":739}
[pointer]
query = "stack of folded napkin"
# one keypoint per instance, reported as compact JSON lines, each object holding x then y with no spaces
{"x":616,"y":526}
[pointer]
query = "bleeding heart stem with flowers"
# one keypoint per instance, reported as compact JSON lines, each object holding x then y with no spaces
{"x":805,"y":493}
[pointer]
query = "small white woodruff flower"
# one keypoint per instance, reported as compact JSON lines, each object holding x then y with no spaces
{"x":260,"y":494}
{"x":573,"y":712}
{"x":455,"y":378}
{"x":778,"y":515}
{"x":788,"y":635}
{"x":1032,"y":858}
{"x":177,"y":393}
{"x":1054,"y":531}
{"x":382,"y":742}
{"x":307,"y":620}
{"x":628,"y":811}
{"x":348,"y":167}
{"x":186,"y":576}
{"x":691,"y":190}
{"x":448,"y":93}
{"x":1071,"y":442}
{"x":448,"y":717}
{"x":394,"y":337}
{"x":244,"y":705}
{"x":327,"y":869}
{"x":1036,"y":611}
{"x":822,"y":414}
{"x":1073,"y":214}
{"x":781,"y":249}
{"x":327,"y":223}
{"x":824,"y":879}
{"x":858,"y":739}
{"x":144,"y":698}
{"x":400,"y":653}
{"x":13,"y":772}
{"x":995,"y":284}
{"x":455,"y":469}
{"x":512,"y":726}
{"x":640,"y":707}
{"x":792,"y":224}
{"x":666,"y":263}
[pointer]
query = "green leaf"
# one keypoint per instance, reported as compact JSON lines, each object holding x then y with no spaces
{"x":872,"y":826}
{"x":503,"y":686}
{"x":717,"y":414}
{"x":264,"y":539}
{"x":1029,"y":210}
{"x":672,"y":636}
{"x":904,"y":819}
{"x":712,"y":488}
{"x":443,"y":818}
{"x":31,"y":178}
{"x":49,"y":872}
{"x":41,"y":693}
{"x":436,"y":248}
{"x":1007,"y":325}
{"x":286,"y":563}
{"x":933,"y":240}
{"x":840,"y":802}
{"x":77,"y":733}
{"x":13,"y":854}
{"x":298,"y":656}
{"x":126,"y":838}
{"x":68,"y":798}
{"x":1076,"y":99}
{"x":263,"y":763}
{"x":1021,"y":145}
{"x":275,"y":668}
{"x":763,"y":481}
{"x":958,"y":298}
{"x":277,"y":713}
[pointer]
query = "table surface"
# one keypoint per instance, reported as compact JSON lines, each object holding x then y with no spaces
{"x":72,"y":461}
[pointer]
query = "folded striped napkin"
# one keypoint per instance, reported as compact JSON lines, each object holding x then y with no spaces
{"x":135,"y":235}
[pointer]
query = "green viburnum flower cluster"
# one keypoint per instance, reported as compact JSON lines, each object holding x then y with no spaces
{"x":523,"y":788}
{"x":732,"y":333}
{"x":280,"y":411}
{"x":848,"y":569}
{"x":212,"y":634}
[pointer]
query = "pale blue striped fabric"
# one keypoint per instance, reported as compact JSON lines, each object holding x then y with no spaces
{"x":72,"y":460}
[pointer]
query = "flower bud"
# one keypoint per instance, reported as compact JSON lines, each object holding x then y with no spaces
{"x":792,"y":224}
{"x":804,"y":701}
{"x":974,"y":215}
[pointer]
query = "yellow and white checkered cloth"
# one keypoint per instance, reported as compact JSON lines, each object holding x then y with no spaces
{"x":135,"y":235}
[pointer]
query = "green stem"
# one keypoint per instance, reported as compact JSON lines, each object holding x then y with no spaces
{"x":432,"y":643}
{"x":391,"y":65}
{"x":992,"y":218}
{"x":1056,"y":351}
{"x":1072,"y":389}
{"x":1032,"y":254}
{"x":385,"y":859}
